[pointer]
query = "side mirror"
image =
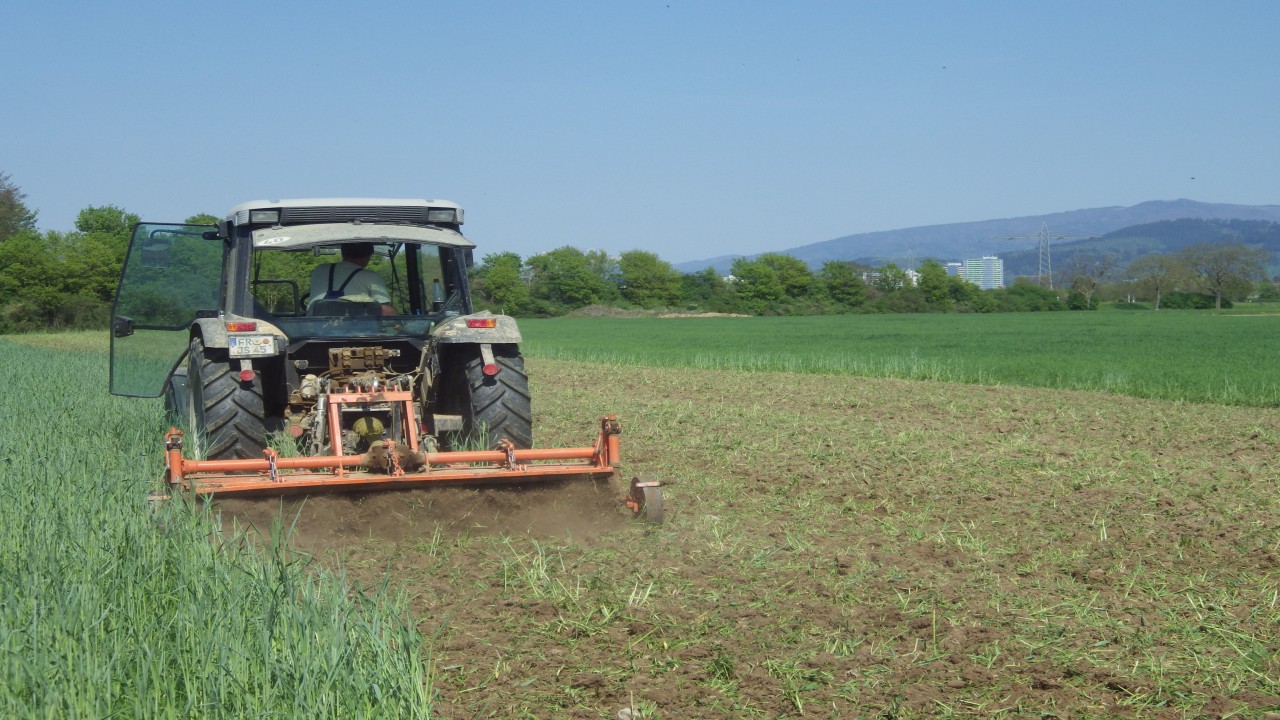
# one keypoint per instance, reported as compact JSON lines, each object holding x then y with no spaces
{"x":469,"y":257}
{"x":156,"y":251}
{"x":122,"y":326}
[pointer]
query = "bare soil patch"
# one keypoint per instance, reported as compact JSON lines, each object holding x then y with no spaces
{"x":845,"y":547}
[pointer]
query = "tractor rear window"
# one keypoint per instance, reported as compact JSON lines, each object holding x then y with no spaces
{"x":411,"y":279}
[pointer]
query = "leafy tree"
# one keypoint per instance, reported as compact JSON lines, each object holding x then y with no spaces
{"x":1156,"y":275}
{"x":1224,"y":269}
{"x":647,"y":280}
{"x":14,"y":215}
{"x":908,"y":299}
{"x":95,"y":253}
{"x":975,"y":299}
{"x":499,"y":284}
{"x":56,"y":280}
{"x":1025,"y":295}
{"x":1085,"y":276}
{"x":1192,"y":301}
{"x":792,"y":273}
{"x":1077,"y":300}
{"x":106,"y":220}
{"x":843,"y":282}
{"x":706,"y":289}
{"x":1269,"y":290}
{"x":933,"y":283}
{"x":965,"y":293}
{"x":29,"y":272}
{"x":891,"y":277}
{"x":605,"y":268}
{"x":565,"y":276}
{"x":757,"y":286}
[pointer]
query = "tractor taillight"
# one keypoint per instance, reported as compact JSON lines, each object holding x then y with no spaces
{"x":490,"y":370}
{"x":247,"y":375}
{"x":482,"y":322}
{"x":242,"y":327}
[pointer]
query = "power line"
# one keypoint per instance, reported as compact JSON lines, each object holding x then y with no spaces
{"x":1045,"y":275}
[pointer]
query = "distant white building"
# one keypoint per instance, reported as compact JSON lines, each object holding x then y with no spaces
{"x":871,"y":276}
{"x":986,"y":272}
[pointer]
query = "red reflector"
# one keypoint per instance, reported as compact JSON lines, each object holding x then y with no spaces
{"x":242,"y":327}
{"x":491,"y":369}
{"x":247,"y":375}
{"x":482,"y":322}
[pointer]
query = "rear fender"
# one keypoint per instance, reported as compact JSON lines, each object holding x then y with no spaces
{"x":456,"y":330}
{"x":214,"y":330}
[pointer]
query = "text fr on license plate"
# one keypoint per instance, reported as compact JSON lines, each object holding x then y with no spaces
{"x":251,"y":345}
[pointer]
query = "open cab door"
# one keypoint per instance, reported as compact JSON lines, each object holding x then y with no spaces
{"x":172,"y":274}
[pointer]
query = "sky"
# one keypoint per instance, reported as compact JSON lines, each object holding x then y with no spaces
{"x":688,"y":129}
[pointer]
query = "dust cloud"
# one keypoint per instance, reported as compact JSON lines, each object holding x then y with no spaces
{"x":577,"y":508}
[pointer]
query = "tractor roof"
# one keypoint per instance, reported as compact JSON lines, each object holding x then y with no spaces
{"x":335,"y":234}
{"x":320,"y":210}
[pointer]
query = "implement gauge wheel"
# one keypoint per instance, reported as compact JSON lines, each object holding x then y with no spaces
{"x":645,"y":500}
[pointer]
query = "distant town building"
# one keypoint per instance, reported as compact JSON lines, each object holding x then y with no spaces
{"x":986,"y":272}
{"x":871,"y":276}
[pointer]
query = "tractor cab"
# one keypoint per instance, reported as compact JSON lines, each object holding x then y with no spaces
{"x":246,"y":282}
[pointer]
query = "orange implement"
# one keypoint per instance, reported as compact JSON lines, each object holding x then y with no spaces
{"x":387,"y":465}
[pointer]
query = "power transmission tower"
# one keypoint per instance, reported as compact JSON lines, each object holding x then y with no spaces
{"x":1045,"y":275}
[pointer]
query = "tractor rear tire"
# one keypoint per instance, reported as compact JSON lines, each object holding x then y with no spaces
{"x":492,"y":408}
{"x":226,"y":413}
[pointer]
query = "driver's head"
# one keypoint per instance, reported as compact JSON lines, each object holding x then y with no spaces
{"x":357,"y":251}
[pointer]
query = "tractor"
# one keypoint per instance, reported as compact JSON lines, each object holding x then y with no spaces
{"x":291,"y":378}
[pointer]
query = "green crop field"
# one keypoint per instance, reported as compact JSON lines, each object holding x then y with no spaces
{"x":1193,"y":356}
{"x":834,"y":545}
{"x":110,"y":607}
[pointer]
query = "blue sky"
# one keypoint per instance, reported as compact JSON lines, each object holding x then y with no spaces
{"x":691,"y":129}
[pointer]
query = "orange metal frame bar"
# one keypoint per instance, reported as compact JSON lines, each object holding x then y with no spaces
{"x":339,"y":400}
{"x":273,"y":475}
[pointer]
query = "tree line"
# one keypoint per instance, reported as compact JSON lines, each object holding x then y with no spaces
{"x":1203,"y":275}
{"x":66,"y":280}
{"x":58,"y":280}
{"x":1208,"y":275}
{"x":567,"y":278}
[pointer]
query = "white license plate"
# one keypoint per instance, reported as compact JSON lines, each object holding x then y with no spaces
{"x":240,"y":346}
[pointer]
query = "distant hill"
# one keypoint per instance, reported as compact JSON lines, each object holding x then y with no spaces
{"x":958,"y":241}
{"x":1158,"y":238}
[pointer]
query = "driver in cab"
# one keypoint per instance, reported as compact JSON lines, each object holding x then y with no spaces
{"x":350,"y":280}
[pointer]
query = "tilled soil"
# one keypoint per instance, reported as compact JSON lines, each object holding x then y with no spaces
{"x":844,"y":547}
